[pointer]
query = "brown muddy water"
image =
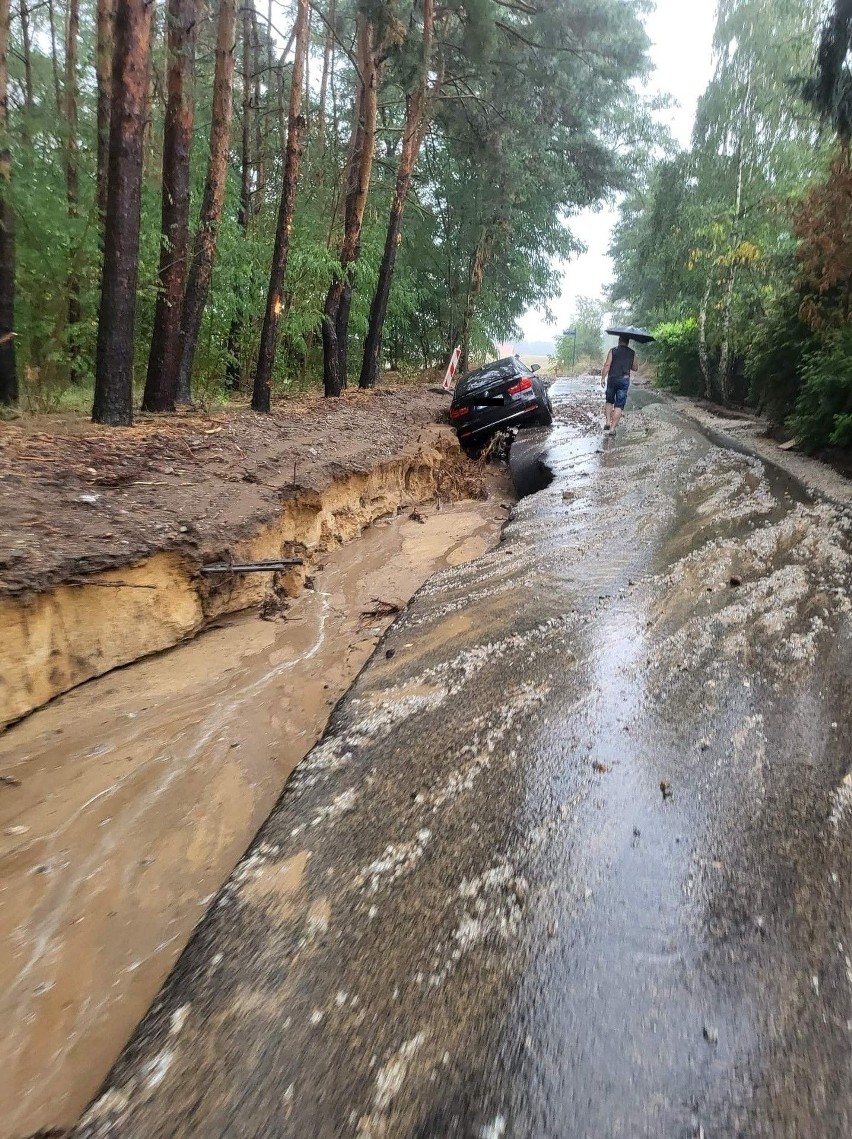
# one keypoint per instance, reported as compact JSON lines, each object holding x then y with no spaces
{"x":126,"y":803}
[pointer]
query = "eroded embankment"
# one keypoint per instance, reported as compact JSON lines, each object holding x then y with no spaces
{"x":125,"y":803}
{"x":59,"y":637}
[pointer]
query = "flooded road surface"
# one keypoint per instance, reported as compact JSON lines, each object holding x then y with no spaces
{"x":574,"y":858}
{"x":126,"y":804}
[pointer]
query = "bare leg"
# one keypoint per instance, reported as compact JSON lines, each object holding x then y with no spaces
{"x":608,"y":410}
{"x":616,"y":417}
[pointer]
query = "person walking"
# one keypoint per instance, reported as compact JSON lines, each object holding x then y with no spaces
{"x":620,"y":363}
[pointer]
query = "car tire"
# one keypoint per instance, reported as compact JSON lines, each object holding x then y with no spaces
{"x":472,"y":449}
{"x":544,"y":418}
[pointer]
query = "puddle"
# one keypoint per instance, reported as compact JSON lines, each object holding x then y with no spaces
{"x":530,"y":472}
{"x":138,"y":793}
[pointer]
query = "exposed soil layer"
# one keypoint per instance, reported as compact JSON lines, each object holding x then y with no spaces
{"x":126,"y":803}
{"x":95,"y":601}
{"x":575,"y":859}
{"x":77,"y":498}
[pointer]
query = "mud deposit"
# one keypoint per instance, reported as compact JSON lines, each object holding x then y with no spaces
{"x":89,"y":623}
{"x":575,"y":862}
{"x":126,"y":803}
{"x":77,"y":498}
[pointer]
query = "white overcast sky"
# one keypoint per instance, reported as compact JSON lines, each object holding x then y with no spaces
{"x":681,"y":32}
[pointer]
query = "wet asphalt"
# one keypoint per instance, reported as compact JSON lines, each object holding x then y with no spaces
{"x":574,"y":858}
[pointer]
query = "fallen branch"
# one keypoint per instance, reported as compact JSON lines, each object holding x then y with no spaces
{"x":108,"y":584}
{"x":253,"y":567}
{"x":382,"y":608}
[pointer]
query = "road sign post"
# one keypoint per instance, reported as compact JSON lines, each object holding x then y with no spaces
{"x":572,"y":332}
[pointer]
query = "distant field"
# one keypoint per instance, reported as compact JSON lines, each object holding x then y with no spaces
{"x":542,"y":361}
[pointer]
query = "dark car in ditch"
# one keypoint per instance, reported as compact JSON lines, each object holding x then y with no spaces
{"x":503,"y":394}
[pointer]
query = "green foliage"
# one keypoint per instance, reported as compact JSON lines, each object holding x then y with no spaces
{"x":678,"y":365}
{"x":729,"y":246}
{"x":504,"y":171}
{"x":823,"y":413}
{"x":587,"y":343}
{"x":565,"y":354}
{"x":829,"y":88}
{"x":774,"y":352}
{"x":588,"y":321}
{"x":538,"y":118}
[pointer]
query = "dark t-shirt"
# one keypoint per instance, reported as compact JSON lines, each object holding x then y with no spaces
{"x":623,"y":359}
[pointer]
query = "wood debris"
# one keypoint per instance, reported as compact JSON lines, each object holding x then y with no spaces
{"x":382,"y":608}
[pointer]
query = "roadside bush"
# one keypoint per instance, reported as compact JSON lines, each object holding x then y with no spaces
{"x":587,"y":365}
{"x":823,"y":412}
{"x":678,"y":365}
{"x":774,"y":359}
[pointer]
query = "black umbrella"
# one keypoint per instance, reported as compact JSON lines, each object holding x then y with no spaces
{"x":637,"y":334}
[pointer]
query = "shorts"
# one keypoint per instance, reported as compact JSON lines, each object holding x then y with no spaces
{"x":616,"y":392}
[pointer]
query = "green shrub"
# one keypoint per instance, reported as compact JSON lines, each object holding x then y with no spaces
{"x":774,"y":358}
{"x":678,"y":364}
{"x":841,"y":436}
{"x":823,"y":412}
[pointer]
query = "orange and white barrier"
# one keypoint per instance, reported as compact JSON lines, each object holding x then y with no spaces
{"x":449,"y":379}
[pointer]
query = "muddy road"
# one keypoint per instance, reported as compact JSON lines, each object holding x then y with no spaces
{"x":126,"y":803}
{"x":574,"y":857}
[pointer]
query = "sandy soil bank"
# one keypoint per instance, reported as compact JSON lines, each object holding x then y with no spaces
{"x":127,"y":802}
{"x":92,"y":580}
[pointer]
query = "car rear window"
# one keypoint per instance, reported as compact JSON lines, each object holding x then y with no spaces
{"x":491,"y":374}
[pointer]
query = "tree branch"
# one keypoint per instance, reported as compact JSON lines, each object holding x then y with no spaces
{"x":346,"y":51}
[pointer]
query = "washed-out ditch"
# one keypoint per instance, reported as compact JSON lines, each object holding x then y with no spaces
{"x":68,"y":632}
{"x":127,"y":801}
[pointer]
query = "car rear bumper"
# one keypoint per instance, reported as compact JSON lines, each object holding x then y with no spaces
{"x":467,"y":432}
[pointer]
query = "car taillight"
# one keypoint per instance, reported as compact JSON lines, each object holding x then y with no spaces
{"x":458,"y":412}
{"x":523,"y":385}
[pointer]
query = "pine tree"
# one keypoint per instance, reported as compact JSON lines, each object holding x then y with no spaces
{"x":261,"y":394}
{"x":129,"y":105}
{"x":8,"y":369}
{"x":164,"y":356}
{"x":204,"y":251}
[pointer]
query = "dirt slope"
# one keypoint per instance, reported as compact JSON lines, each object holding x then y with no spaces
{"x":77,"y":498}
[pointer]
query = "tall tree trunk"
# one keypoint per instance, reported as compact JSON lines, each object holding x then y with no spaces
{"x":235,"y":332}
{"x":54,"y":58}
{"x":335,"y":325}
{"x":282,"y":102}
{"x":259,"y":141}
{"x":261,"y":394}
{"x":103,"y":71}
{"x":8,"y":370}
{"x":164,"y":355}
{"x":26,"y":44}
{"x":725,"y":356}
{"x":273,"y":75}
{"x":149,"y":161}
{"x":412,"y":137}
{"x":307,"y":81}
{"x":332,"y":87}
{"x":481,"y":257}
{"x":725,"y":353}
{"x":703,"y":353}
{"x":282,"y":108}
{"x":245,"y":151}
{"x":327,"y":58}
{"x":114,"y":361}
{"x":204,"y":252}
{"x":72,"y":184}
